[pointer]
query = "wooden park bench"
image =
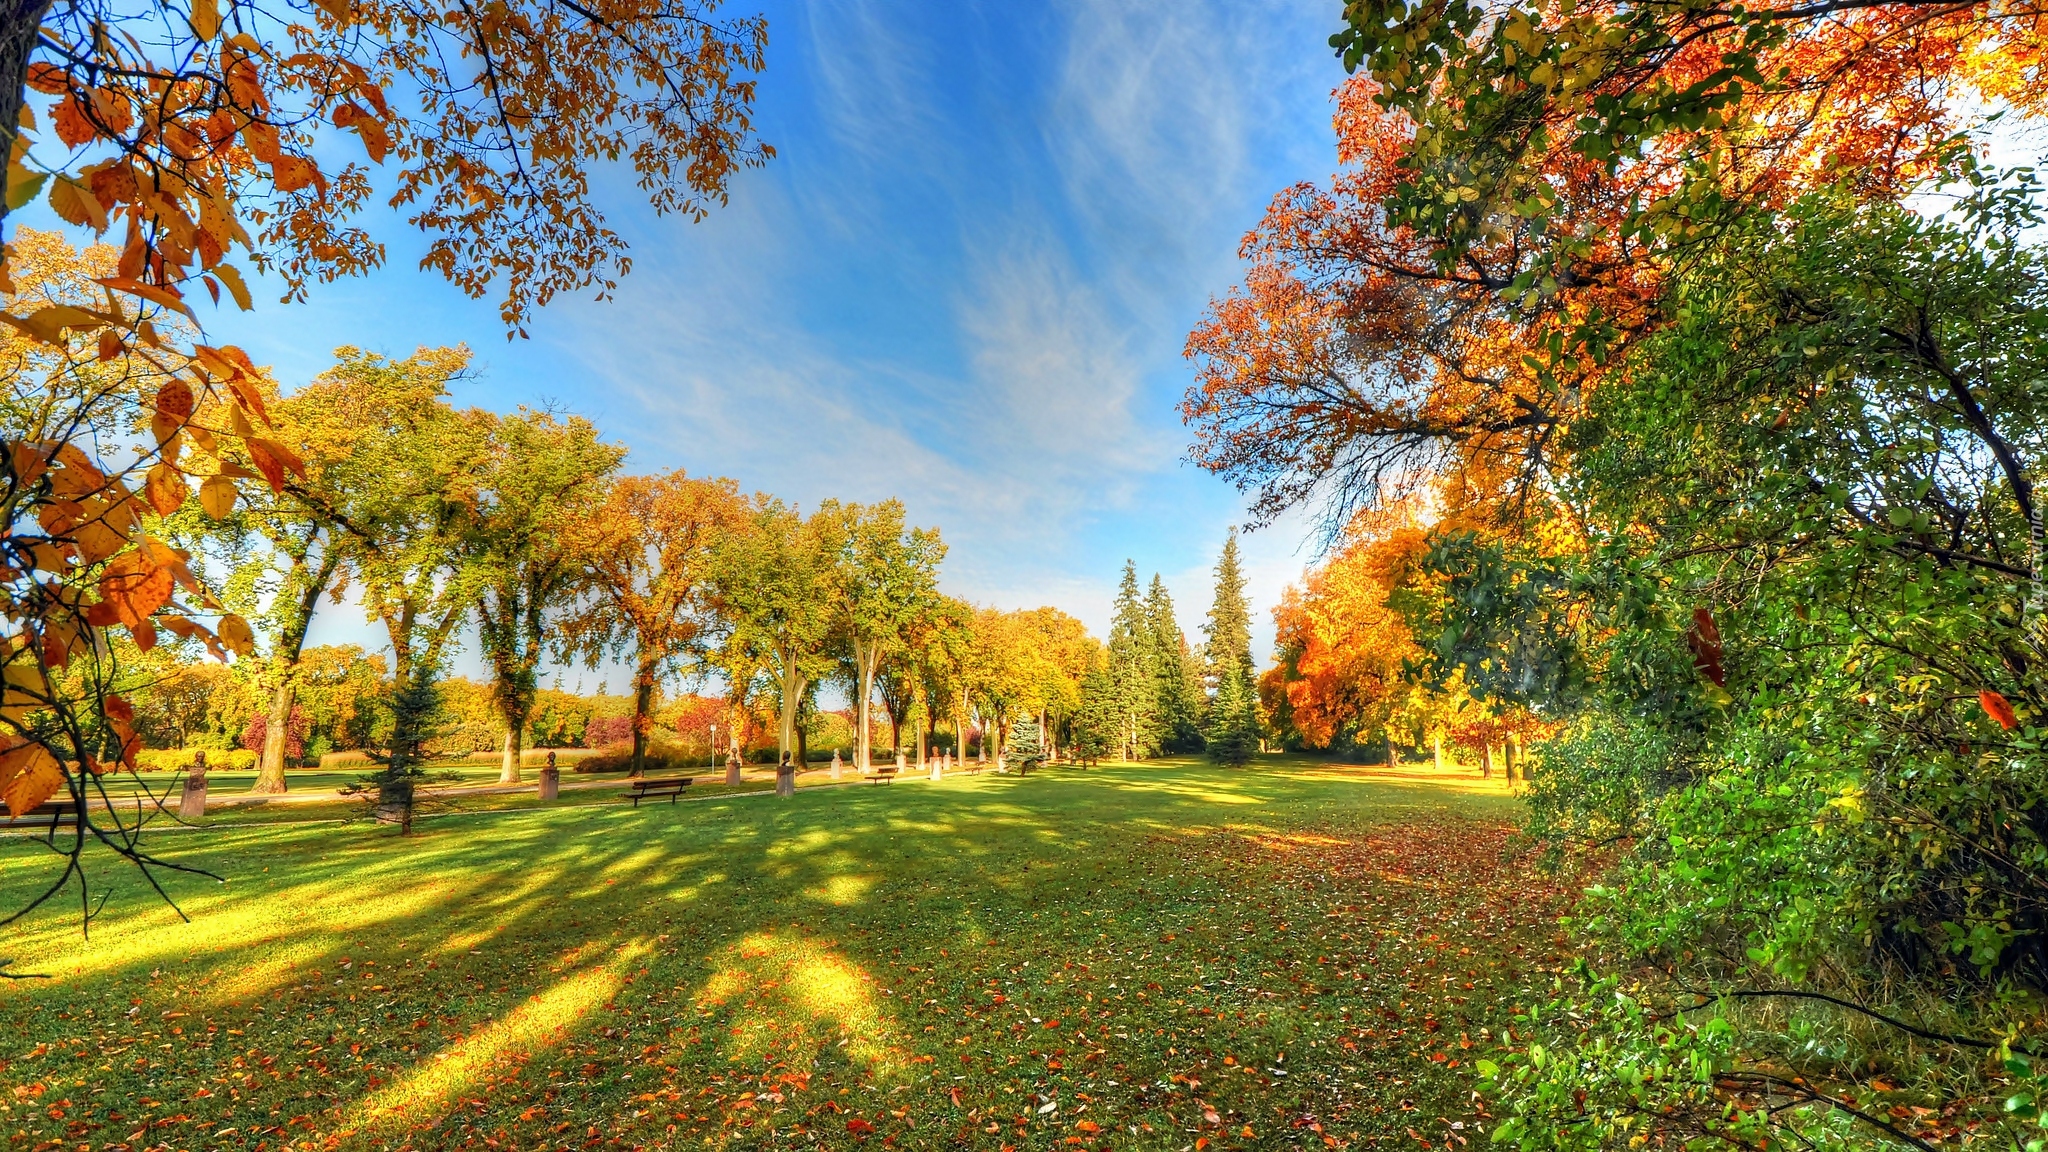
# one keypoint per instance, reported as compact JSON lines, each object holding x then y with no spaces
{"x":671,"y":788}
{"x":884,"y":774}
{"x":56,"y":813}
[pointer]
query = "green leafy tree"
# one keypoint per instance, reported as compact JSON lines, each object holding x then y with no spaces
{"x":774,"y":588}
{"x":543,"y":478}
{"x":887,"y":585}
{"x":416,"y":466}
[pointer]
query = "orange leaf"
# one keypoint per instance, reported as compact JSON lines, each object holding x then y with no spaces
{"x":175,"y":399}
{"x":291,"y":173}
{"x":160,"y":295}
{"x":138,"y":583}
{"x":1996,"y":707}
{"x":1705,"y":641}
{"x":29,"y":775}
{"x":166,"y":489}
{"x":274,"y":460}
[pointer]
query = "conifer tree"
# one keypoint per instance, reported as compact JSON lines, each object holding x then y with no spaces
{"x":1229,"y":628}
{"x":1096,"y":725}
{"x":1179,"y":696}
{"x":1233,"y":731}
{"x":1027,"y":748}
{"x":1130,"y":667}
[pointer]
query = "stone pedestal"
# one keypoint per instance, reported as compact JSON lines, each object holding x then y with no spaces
{"x":192,"y":804}
{"x":785,"y":779}
{"x":836,"y":765}
{"x":550,"y":782}
{"x":938,"y":771}
{"x":899,"y":764}
{"x":732,"y":770}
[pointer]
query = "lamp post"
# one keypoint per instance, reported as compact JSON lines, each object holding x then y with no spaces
{"x":714,"y":745}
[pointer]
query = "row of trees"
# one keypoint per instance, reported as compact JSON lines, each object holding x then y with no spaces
{"x":1670,"y":374}
{"x":1153,"y":693}
{"x":1346,"y":677}
{"x":518,"y":529}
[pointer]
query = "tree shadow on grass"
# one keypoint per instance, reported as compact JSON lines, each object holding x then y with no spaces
{"x":516,"y":974}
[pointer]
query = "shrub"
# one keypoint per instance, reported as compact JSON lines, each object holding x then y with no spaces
{"x":180,"y":759}
{"x":605,"y":731}
{"x":619,"y":758}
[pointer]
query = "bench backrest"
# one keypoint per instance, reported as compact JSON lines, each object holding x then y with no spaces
{"x":645,"y":785}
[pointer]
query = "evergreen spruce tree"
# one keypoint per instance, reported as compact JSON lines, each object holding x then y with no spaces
{"x":1229,"y":629}
{"x":417,"y":717}
{"x":1130,"y":667}
{"x":1096,"y":724}
{"x":1027,"y":747}
{"x":1180,"y":713}
{"x":1233,"y":731}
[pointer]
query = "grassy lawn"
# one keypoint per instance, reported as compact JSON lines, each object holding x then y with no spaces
{"x":1148,"y":956}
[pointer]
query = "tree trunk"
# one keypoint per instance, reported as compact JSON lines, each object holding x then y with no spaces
{"x":734,"y":727}
{"x":17,"y":41}
{"x":508,"y":770}
{"x":792,"y":683}
{"x":643,"y":708}
{"x":1486,"y":761}
{"x":291,"y":641}
{"x":1512,"y":747}
{"x":1436,"y":749}
{"x":863,"y":657}
{"x":270,"y":770}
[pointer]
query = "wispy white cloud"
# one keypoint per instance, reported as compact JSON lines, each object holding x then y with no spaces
{"x":965,"y":282}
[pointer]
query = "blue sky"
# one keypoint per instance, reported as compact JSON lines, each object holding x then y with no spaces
{"x":964,"y":281}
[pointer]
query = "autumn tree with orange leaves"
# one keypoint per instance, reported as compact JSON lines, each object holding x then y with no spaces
{"x":651,"y":552}
{"x":193,"y":137}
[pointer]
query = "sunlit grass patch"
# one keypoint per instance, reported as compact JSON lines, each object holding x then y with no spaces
{"x":1112,"y":957}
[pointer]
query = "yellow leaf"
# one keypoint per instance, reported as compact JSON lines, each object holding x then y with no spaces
{"x":150,"y":292}
{"x":236,"y":288}
{"x":29,"y":775}
{"x":23,"y":185}
{"x":49,"y":324}
{"x":234,"y":632}
{"x":74,"y":203}
{"x":25,"y":689}
{"x":217,"y":496}
{"x":206,"y":18}
{"x":165,"y":427}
